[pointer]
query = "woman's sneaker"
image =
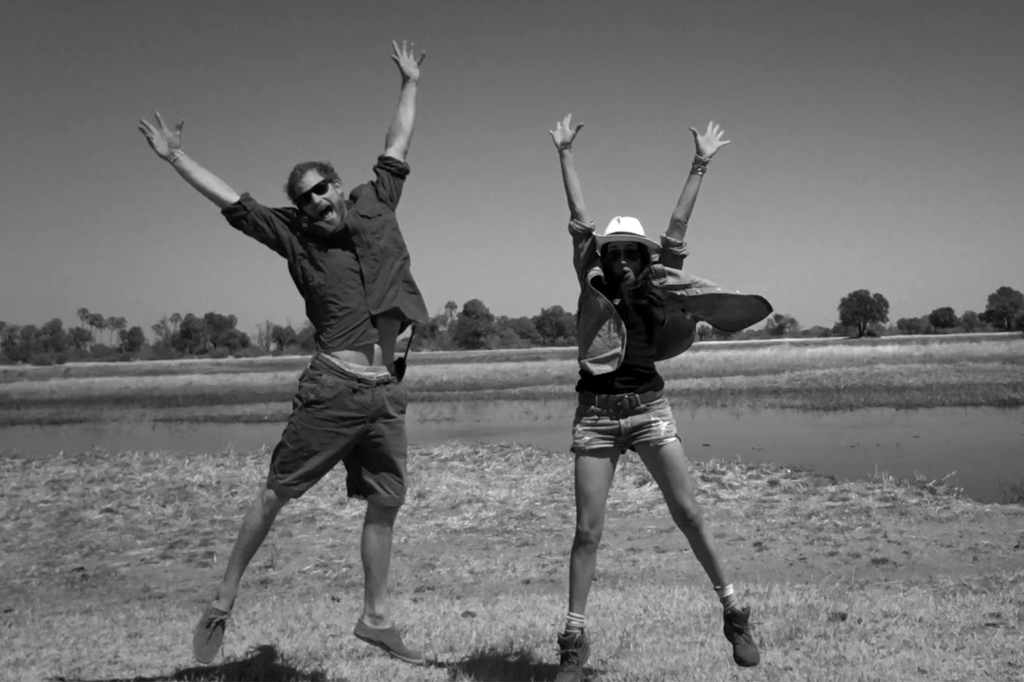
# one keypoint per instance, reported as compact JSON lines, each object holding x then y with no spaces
{"x":574,"y":651}
{"x":737,"y":631}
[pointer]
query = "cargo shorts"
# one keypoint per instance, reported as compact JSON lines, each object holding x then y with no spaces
{"x":349,"y":414}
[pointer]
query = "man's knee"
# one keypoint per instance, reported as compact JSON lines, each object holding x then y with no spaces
{"x":588,"y":534}
{"x":271,"y":500}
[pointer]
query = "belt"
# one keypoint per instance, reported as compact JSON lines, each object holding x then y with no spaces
{"x":622,"y":401}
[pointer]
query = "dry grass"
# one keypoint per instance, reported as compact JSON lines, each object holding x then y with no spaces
{"x":793,"y":376}
{"x":108,"y":557}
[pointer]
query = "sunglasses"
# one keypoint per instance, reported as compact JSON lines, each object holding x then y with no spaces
{"x":629,"y":253}
{"x":319,"y":189}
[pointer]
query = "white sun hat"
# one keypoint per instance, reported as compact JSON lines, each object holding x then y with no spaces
{"x":626,"y":229}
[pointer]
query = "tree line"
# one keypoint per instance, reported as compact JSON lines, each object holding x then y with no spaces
{"x":473,"y":327}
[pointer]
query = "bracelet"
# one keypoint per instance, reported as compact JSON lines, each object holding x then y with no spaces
{"x":174,"y":156}
{"x":700,"y":165}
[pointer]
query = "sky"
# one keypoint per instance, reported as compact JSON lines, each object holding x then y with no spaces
{"x":875,"y":145}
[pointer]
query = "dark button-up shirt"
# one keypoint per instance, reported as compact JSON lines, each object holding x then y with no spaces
{"x":361,"y":271}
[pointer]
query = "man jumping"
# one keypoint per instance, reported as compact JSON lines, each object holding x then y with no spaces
{"x":350,"y":263}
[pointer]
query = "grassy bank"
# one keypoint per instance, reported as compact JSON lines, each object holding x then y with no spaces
{"x":107,"y":558}
{"x":793,"y":376}
{"x":270,"y":364}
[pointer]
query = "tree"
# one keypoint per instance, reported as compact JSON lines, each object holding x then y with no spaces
{"x":861,"y":308}
{"x":192,"y":337}
{"x":222,"y":332}
{"x":942,"y":318}
{"x":910,"y":325}
{"x":10,"y":339}
{"x":132,"y":340}
{"x":970,"y":321}
{"x":83,"y":316}
{"x":162,"y":330}
{"x":306,"y":337}
{"x":556,"y":326}
{"x":523,"y":328}
{"x":80,"y":338}
{"x":451,"y":311}
{"x":97,"y":323}
{"x":282,"y":337}
{"x":110,"y":324}
{"x":175,"y":321}
{"x":264,"y":331}
{"x":1004,"y":304}
{"x":51,"y":337}
{"x":782,"y":325}
{"x":474,"y":324}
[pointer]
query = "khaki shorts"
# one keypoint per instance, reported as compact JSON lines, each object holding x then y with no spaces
{"x":349,"y":414}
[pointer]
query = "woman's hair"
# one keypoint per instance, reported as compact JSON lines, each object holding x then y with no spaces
{"x":643,"y":296}
{"x":325,"y":170}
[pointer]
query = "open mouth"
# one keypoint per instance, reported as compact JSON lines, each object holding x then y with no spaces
{"x":326,"y":213}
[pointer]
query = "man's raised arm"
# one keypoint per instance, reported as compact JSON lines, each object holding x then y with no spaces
{"x":707,"y":144}
{"x":563,"y":136}
{"x":167,"y":145}
{"x":396,"y":142}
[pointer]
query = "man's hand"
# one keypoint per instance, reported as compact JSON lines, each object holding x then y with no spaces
{"x":408,"y":62}
{"x":710,"y":141}
{"x":163,"y":141}
{"x":564,"y":134}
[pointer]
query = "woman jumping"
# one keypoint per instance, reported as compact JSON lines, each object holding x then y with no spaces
{"x":637,"y":307}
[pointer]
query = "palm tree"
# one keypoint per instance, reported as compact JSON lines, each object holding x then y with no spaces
{"x":97,"y":322}
{"x":175,"y":320}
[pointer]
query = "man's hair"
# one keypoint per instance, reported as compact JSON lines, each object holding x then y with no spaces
{"x":644,"y":296}
{"x":325,"y":169}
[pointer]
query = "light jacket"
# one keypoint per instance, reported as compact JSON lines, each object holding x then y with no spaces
{"x":600,"y":332}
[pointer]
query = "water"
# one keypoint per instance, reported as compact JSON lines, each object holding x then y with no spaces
{"x":984,"y":446}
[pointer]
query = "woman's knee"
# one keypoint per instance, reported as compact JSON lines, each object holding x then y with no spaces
{"x":686,"y":513}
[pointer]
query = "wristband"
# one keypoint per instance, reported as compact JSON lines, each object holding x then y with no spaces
{"x":174,"y":156}
{"x":700,"y":165}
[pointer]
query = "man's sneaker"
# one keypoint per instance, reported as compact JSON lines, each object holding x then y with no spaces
{"x":737,"y":631}
{"x":574,"y":652}
{"x":209,"y":634}
{"x":390,"y":641}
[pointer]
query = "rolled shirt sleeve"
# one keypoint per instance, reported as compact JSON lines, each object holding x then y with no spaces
{"x":584,"y":247}
{"x":673,"y":252}
{"x":390,"y":180}
{"x":269,"y":226}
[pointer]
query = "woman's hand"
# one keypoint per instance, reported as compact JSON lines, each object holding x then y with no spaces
{"x":710,"y":142}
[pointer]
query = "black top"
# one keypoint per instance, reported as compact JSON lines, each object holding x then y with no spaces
{"x":637,"y":373}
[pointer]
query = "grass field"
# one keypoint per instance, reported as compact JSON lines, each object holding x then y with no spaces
{"x":808,"y":376}
{"x":107,"y":559}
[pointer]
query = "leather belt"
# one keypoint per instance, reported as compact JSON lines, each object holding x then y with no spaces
{"x":622,"y":401}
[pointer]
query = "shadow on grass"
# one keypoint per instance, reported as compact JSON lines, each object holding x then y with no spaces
{"x":494,"y":665}
{"x":262,"y":664}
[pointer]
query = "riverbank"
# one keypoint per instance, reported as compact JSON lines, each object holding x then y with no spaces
{"x":110,"y":556}
{"x":783,"y":376}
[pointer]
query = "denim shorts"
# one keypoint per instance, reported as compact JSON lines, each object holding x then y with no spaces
{"x":622,"y":428}
{"x":348,"y":414}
